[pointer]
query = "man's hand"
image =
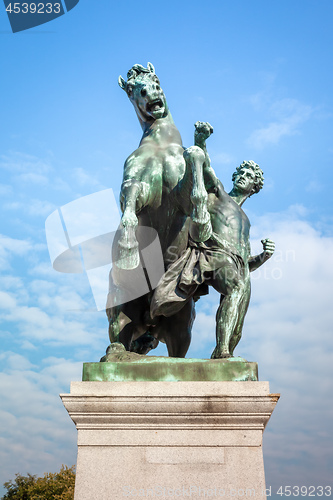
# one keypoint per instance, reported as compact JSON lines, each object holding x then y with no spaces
{"x":268,"y":246}
{"x":203,"y":130}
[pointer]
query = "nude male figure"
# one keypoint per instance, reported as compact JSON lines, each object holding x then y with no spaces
{"x":219,"y":251}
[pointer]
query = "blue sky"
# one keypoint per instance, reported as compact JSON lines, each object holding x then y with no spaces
{"x":261,"y":74}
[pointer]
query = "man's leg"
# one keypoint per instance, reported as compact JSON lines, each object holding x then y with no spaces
{"x":243,"y":307}
{"x":228,"y":281}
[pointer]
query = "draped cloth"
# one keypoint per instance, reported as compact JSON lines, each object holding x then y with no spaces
{"x":187,"y":277}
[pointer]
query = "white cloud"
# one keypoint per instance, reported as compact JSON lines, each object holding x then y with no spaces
{"x":5,"y":190}
{"x":50,"y":320}
{"x":51,"y":307}
{"x":221,"y":159}
{"x":23,"y":163}
{"x":33,"y":178}
{"x":28,"y":346}
{"x":36,"y":433}
{"x":33,"y":207}
{"x":32,"y":171}
{"x":83,"y":178}
{"x":203,"y":335}
{"x":288,"y":115}
{"x":40,"y":207}
{"x":11,"y":246}
{"x":314,"y":186}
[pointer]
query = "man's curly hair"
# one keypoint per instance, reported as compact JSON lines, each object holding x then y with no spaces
{"x":259,"y":174}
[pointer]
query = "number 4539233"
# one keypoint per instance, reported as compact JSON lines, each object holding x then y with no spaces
{"x":304,"y":491}
{"x":33,"y":8}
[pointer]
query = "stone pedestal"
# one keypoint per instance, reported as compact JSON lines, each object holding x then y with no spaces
{"x":169,"y":439}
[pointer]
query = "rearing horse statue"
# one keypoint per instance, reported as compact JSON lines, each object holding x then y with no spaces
{"x":149,"y":197}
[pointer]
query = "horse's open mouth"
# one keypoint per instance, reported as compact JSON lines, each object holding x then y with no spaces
{"x":155,"y":105}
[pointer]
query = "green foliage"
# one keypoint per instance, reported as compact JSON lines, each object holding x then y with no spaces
{"x":57,"y":486}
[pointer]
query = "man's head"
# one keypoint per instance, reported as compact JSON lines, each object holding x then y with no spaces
{"x":248,"y":178}
{"x":144,"y":91}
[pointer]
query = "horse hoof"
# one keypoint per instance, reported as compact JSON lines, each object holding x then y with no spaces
{"x":129,"y":261}
{"x":128,"y":254}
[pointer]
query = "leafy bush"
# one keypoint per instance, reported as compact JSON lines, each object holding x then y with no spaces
{"x":57,"y":486}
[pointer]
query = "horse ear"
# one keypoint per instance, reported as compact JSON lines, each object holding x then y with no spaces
{"x":151,"y":67}
{"x":122,"y":83}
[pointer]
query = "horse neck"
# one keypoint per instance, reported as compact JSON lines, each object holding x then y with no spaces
{"x":162,"y":131}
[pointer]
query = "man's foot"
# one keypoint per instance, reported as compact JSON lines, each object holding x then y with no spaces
{"x":218,"y":353}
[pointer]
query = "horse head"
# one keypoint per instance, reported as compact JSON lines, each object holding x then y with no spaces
{"x":144,"y":91}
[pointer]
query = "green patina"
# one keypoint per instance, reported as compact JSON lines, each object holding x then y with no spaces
{"x":163,"y":369}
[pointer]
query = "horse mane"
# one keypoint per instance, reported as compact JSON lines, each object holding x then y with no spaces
{"x":137,"y":69}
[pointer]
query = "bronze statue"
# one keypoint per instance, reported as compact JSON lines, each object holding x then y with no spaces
{"x":203,"y":231}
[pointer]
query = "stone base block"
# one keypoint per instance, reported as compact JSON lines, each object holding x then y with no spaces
{"x":169,"y":439}
{"x":165,"y":369}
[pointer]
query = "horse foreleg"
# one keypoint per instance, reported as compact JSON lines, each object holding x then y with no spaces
{"x":200,"y":225}
{"x":203,"y":130}
{"x":128,"y":248}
